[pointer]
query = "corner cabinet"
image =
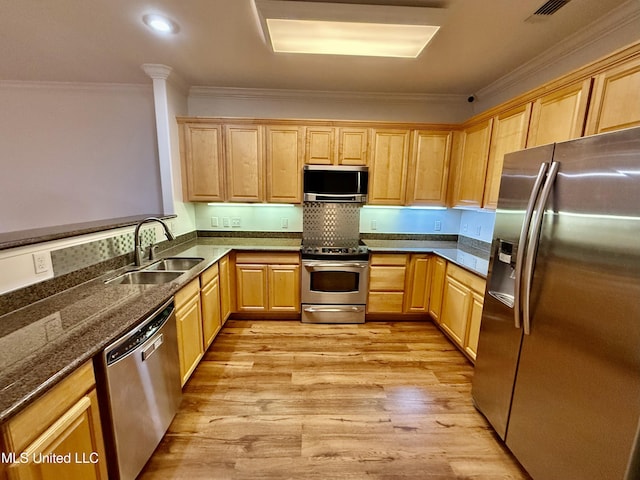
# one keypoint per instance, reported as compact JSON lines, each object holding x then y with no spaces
{"x":267,"y":282}
{"x":65,"y":421}
{"x":472,"y":165}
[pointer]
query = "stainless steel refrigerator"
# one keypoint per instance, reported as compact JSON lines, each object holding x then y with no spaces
{"x":558,"y":364}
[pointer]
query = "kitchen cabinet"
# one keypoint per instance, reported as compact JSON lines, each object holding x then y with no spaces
{"x":244,"y":163}
{"x":202,"y":162}
{"x":615,"y":102}
{"x":509,"y":134}
{"x":418,"y":284}
{"x":189,"y":322}
{"x":336,"y":145}
{"x":388,"y":169}
{"x":267,"y":282}
{"x":387,"y":282}
{"x":472,"y":165}
{"x":210,"y":299}
{"x":66,"y":420}
{"x":462,"y":303}
{"x":559,"y":115}
{"x":429,"y":168}
{"x":227,"y":288}
{"x":284,"y":164}
{"x":437,"y":287}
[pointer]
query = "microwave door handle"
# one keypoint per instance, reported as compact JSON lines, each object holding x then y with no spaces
{"x":522,"y":243}
{"x":533,"y":245}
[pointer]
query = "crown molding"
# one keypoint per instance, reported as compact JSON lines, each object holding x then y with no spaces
{"x":281,"y":94}
{"x":49,"y":85}
{"x":619,"y":18}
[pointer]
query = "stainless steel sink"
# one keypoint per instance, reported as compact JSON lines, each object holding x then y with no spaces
{"x":144,"y":278}
{"x":180,"y":264}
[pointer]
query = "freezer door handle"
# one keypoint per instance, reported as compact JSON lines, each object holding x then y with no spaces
{"x":522,"y":243}
{"x":533,"y":246}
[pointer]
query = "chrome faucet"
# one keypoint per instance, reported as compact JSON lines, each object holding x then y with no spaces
{"x":138,"y":241}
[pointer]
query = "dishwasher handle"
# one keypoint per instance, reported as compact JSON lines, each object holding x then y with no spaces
{"x":147,"y":352}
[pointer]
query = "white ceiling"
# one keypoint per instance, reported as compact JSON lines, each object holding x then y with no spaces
{"x":220,"y":44}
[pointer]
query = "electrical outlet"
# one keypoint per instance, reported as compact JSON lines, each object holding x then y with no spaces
{"x":215,"y":222}
{"x":226,"y":222}
{"x":40,"y":264}
{"x":478,"y":230}
{"x":235,"y":222}
{"x":438,"y":226}
{"x":465,"y":227}
{"x":284,"y":223}
{"x":374,"y":224}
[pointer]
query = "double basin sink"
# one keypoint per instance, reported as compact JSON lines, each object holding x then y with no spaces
{"x":162,"y":271}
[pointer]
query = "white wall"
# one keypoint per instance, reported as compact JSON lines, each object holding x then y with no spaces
{"x":263,"y":103}
{"x":477,"y":224}
{"x":73,"y":153}
{"x":409,"y":220}
{"x":252,"y":218}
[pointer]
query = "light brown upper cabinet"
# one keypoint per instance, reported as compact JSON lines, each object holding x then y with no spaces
{"x":284,"y":164}
{"x":244,"y":163}
{"x":202,"y":165}
{"x":615,"y":101}
{"x":336,"y":145}
{"x":388,"y":169}
{"x":509,"y":135}
{"x":472,"y":166}
{"x":560,"y":115}
{"x":429,"y":168}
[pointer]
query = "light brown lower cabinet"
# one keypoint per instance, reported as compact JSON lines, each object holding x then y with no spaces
{"x":227,"y":288}
{"x":267,"y":282}
{"x":63,"y":424}
{"x":189,"y":322}
{"x":210,"y":299}
{"x":462,"y":302}
{"x":437,"y":287}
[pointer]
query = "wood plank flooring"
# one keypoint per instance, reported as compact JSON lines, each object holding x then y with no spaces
{"x":286,"y":400}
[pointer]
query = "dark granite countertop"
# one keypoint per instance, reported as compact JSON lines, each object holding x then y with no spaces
{"x":44,"y":342}
{"x":475,"y":261}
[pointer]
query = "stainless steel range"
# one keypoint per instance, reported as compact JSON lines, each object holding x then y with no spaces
{"x":335,"y":267}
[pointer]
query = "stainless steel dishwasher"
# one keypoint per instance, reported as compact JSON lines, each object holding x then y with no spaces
{"x":140,"y":379}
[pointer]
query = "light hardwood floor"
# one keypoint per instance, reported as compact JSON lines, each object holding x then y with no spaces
{"x":285,"y":400}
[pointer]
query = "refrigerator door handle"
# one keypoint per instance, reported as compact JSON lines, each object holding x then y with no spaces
{"x":533,"y":246}
{"x":522,"y":243}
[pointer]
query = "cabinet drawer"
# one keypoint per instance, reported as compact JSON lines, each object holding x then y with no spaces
{"x":388,"y":259}
{"x":186,"y":293}
{"x":209,"y":274}
{"x":387,"y":278}
{"x":467,"y":278}
{"x":270,"y":258}
{"x":385,"y":302}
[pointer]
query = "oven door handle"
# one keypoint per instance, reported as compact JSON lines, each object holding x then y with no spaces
{"x":333,"y":309}
{"x":313,"y":266}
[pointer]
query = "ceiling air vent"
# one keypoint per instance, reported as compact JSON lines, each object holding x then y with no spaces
{"x":551,"y":7}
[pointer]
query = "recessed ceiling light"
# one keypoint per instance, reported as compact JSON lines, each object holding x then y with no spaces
{"x":160,"y":24}
{"x":348,"y":29}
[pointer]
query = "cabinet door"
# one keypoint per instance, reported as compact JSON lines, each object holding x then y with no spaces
{"x":615,"y":101}
{"x":225,"y":289}
{"x":251,"y":288}
{"x":189,"y":322}
{"x":473,"y":165}
{"x":560,"y":115}
{"x":77,"y":432}
{"x":211,"y":322}
{"x":388,"y":175}
{"x":203,"y":162}
{"x":353,"y":146}
{"x":509,"y":134}
{"x":284,"y":288}
{"x":320,"y":145}
{"x":456,"y":304}
{"x":418,"y":284}
{"x":284,"y":164}
{"x":437,"y":288}
{"x":244,"y":163}
{"x":429,"y":168}
{"x":473,"y":329}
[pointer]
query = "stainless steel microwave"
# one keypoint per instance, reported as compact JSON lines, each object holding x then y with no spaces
{"x":335,"y":183}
